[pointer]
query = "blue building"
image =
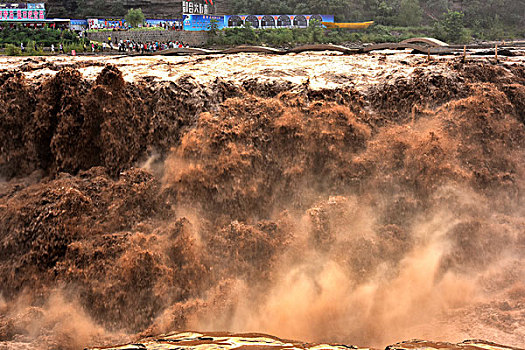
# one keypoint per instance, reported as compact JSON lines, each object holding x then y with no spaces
{"x":200,"y":22}
{"x":203,"y":22}
{"x":275,"y":21}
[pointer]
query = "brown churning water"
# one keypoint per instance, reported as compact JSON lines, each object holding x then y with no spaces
{"x":341,"y":215}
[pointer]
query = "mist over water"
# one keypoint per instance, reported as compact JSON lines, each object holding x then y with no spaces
{"x":328,"y":216}
{"x":393,"y":259}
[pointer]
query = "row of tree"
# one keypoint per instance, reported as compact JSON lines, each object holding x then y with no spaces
{"x":386,"y":12}
{"x":484,"y":18}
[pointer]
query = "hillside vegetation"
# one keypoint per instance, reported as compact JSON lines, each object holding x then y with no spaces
{"x":457,"y":21}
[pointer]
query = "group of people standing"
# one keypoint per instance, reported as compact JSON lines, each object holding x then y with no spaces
{"x":60,"y":48}
{"x":130,"y":46}
{"x":148,"y":47}
{"x":36,"y":48}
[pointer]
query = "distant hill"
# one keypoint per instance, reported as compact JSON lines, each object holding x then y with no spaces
{"x":496,"y":16}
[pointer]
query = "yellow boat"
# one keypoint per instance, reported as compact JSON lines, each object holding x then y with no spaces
{"x":357,"y":25}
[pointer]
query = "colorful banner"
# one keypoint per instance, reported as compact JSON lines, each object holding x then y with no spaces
{"x":22,"y":15}
{"x":159,"y":22}
{"x":39,"y":6}
{"x":202,"y":22}
{"x":79,"y":22}
{"x":95,"y":23}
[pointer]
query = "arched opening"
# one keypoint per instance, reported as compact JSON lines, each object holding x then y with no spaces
{"x":300,"y":21}
{"x":317,"y":18}
{"x":253,"y":21}
{"x":235,"y":21}
{"x":283,"y":21}
{"x":267,"y":21}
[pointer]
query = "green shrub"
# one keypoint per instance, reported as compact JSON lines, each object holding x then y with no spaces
{"x":451,"y":28}
{"x":317,"y":34}
{"x":78,"y":47}
{"x":134,"y":17}
{"x":12,"y":50}
{"x":42,"y":36}
{"x":30,"y":49}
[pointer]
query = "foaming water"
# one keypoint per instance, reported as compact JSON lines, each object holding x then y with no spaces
{"x":325,"y":215}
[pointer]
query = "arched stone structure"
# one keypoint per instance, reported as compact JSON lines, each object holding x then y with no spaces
{"x":284,"y":21}
{"x":253,"y":21}
{"x":315,"y":18}
{"x":267,"y":22}
{"x":300,"y":21}
{"x":235,"y":21}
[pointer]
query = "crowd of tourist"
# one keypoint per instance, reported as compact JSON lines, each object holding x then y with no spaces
{"x":147,"y":47}
{"x":128,"y":46}
{"x":121,"y":25}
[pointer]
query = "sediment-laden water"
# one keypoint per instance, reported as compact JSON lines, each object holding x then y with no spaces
{"x":361,"y":200}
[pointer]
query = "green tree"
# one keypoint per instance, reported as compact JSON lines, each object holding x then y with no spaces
{"x":484,"y":18}
{"x":316,"y":31}
{"x":409,"y":13}
{"x":384,"y":13}
{"x":248,"y":34}
{"x":12,"y":50}
{"x":451,"y":28}
{"x":134,"y":17}
{"x":213,"y":29}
